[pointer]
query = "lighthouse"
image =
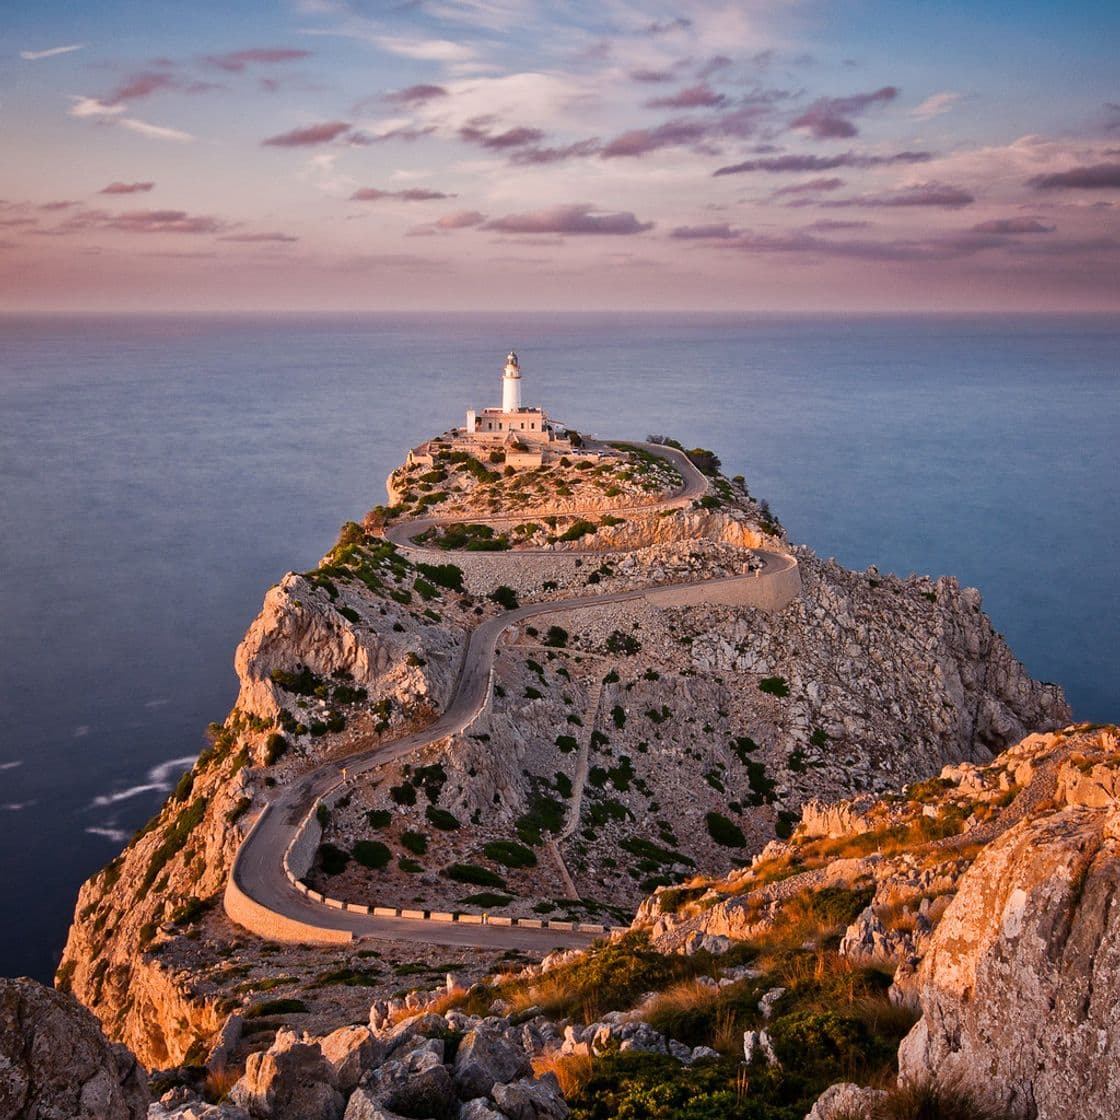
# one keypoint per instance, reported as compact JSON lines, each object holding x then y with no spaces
{"x":511,"y":384}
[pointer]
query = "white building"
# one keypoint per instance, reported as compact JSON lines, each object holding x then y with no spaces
{"x":529,"y":424}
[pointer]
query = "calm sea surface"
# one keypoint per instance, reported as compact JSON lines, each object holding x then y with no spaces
{"x":158,"y":474}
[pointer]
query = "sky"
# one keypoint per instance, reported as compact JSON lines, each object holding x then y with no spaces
{"x":770,"y":155}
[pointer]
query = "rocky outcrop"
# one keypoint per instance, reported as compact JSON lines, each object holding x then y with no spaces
{"x":291,"y":1078}
{"x":55,"y":1063}
{"x":1020,"y":989}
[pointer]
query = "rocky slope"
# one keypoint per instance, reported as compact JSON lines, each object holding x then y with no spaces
{"x":648,"y":742}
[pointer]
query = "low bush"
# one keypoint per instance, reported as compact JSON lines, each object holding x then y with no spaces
{"x":372,"y":854}
{"x":473,"y":874}
{"x":332,"y":859}
{"x":724,"y":831}
{"x":415,"y":842}
{"x":505,"y":597}
{"x":509,"y":853}
{"x":487,"y":900}
{"x":775,"y":686}
{"x":441,"y":818}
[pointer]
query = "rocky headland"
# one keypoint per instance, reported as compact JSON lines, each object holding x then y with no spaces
{"x":748,"y":772}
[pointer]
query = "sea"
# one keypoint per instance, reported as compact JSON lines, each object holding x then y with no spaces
{"x":159,"y":473}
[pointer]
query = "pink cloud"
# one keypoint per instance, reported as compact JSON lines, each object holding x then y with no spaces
{"x":1012,"y":225}
{"x":528,"y":156}
{"x":253,"y":238}
{"x":921,"y":194}
{"x":578,"y":218}
{"x":717,"y":231}
{"x":142,"y":84}
{"x":126,"y":188}
{"x":1096,"y":177}
{"x":460,"y":219}
{"x":410,"y":194}
{"x":829,"y":118}
{"x":310,"y":134}
{"x":810,"y":186}
{"x":415,"y":95}
{"x":700,"y":96}
{"x":236,"y":61}
{"x":795,"y":163}
{"x":477,"y":132}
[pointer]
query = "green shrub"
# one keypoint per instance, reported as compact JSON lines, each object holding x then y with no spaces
{"x":557,"y":636}
{"x":443,"y":575}
{"x":349,"y":614}
{"x":577,"y":530}
{"x":545,"y":814}
{"x":276,"y":1007}
{"x":372,"y":854}
{"x":473,"y":874}
{"x":183,"y":787}
{"x":618,"y":714}
{"x":509,"y":853}
{"x":567,"y":743}
{"x":415,"y":842}
{"x":275,"y":746}
{"x":332,"y":859}
{"x":379,"y":818}
{"x":724,"y":831}
{"x":441,"y":818}
{"x":302,"y":682}
{"x":775,"y":686}
{"x":618,"y":642}
{"x":404,"y":794}
{"x":409,"y":865}
{"x":487,"y":900}
{"x":505,"y":597}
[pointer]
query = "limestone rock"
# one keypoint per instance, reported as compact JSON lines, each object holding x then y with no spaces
{"x":485,"y":1056}
{"x":351,"y":1051}
{"x":846,"y":1101}
{"x":55,"y":1064}
{"x":1020,"y":988}
{"x":532,"y":1100}
{"x":291,"y":1078}
{"x":417,"y":1084}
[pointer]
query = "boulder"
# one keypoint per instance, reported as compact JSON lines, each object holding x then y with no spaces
{"x":479,"y":1109}
{"x":530,"y":1099}
{"x":351,"y":1051}
{"x":486,"y":1056}
{"x":415,"y":1084}
{"x":1020,"y":988}
{"x":291,"y":1078}
{"x":55,"y":1064}
{"x":846,"y":1101}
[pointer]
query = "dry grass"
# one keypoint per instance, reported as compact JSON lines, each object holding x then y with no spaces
{"x":932,"y":1100}
{"x":573,"y":1071}
{"x":219,"y":1081}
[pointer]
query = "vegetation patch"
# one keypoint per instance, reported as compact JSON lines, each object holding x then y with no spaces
{"x":473,"y":874}
{"x":372,"y":854}
{"x":509,"y":853}
{"x":724,"y":831}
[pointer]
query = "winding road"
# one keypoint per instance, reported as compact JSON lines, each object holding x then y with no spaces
{"x":262,"y":897}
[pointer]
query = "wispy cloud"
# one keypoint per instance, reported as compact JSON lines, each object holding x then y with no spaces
{"x":155,"y":131}
{"x":577,"y":218}
{"x":50,"y":52}
{"x":935,"y":105}
{"x":802,"y":163}
{"x":409,"y":194}
{"x":830,"y":118}
{"x":1095,"y":177}
{"x":127,"y":188}
{"x":235,"y":62}
{"x":92,"y":107}
{"x":262,"y":238}
{"x":310,"y":134}
{"x":1012,"y":225}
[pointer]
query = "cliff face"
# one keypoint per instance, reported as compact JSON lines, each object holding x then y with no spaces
{"x":649,"y":741}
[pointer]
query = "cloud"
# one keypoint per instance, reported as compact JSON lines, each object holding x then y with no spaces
{"x":652,"y":76}
{"x":127,"y":188}
{"x":700,"y":96}
{"x":155,"y":131}
{"x":829,"y":118}
{"x":63,"y":204}
{"x":235,"y":62}
{"x":142,"y":84}
{"x":415,"y":95}
{"x":935,"y":105}
{"x":810,"y":186}
{"x":578,"y":218}
{"x":92,"y":107}
{"x":662,"y":27}
{"x":426,"y":50}
{"x":477,"y":132}
{"x":163,"y":221}
{"x":535,"y":155}
{"x":253,"y":238}
{"x":50,"y":52}
{"x":1095,"y":177}
{"x":1012,"y":225}
{"x":920,"y":194}
{"x":310,"y":134}
{"x":821,"y":163}
{"x":719,"y":231}
{"x":831,"y":225}
{"x":460,"y":219}
{"x":410,"y":194}
{"x":640,"y":141}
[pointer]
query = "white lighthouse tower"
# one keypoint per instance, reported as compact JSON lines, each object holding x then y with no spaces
{"x":511,"y":385}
